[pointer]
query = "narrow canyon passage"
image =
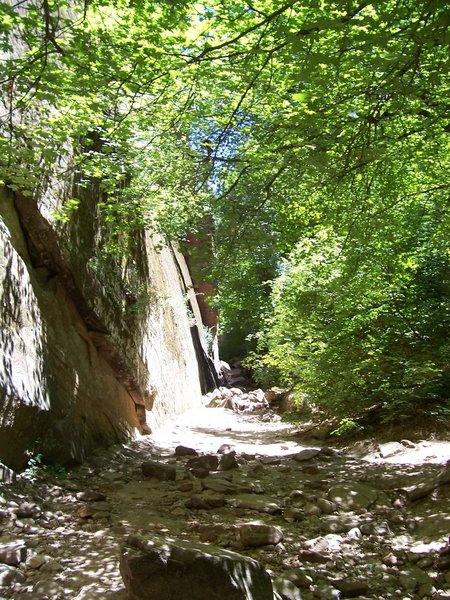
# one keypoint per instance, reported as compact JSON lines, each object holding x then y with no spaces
{"x":370,"y":521}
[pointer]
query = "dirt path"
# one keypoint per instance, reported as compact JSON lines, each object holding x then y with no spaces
{"x":346,"y":519}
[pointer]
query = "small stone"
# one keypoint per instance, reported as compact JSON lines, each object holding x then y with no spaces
{"x":210,"y":462}
{"x":351,"y":588}
{"x":178,"y":512}
{"x":13,"y":553}
{"x":298,"y":577}
{"x":27,"y":510}
{"x":325,"y":591}
{"x":87,"y":512}
{"x":185,"y":451}
{"x":161,"y":471}
{"x":326,"y":506}
{"x":10,"y":575}
{"x":390,"y":449}
{"x":297,"y":495}
{"x":310,"y":470}
{"x":91,"y":496}
{"x":313,"y":557}
{"x":259,"y":504}
{"x":284,"y":469}
{"x":35,"y":561}
{"x":257,"y":534}
{"x":199,"y":472}
{"x":285,"y":590}
{"x":292,"y":513}
{"x":226,"y":449}
{"x":425,"y":562}
{"x":312,"y":509}
{"x":367,"y":528}
{"x":51,"y":566}
{"x":306,"y":454}
{"x":205,"y":502}
{"x":228,"y":461}
{"x":408,"y":443}
{"x":381,"y":529}
{"x":354,"y":533}
{"x":186,"y":486}
{"x":390,"y":560}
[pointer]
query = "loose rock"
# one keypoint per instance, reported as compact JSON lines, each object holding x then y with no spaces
{"x":306,"y":454}
{"x":13,"y":553}
{"x":185,"y":451}
{"x":163,"y":570}
{"x":161,"y":471}
{"x":209,"y":462}
{"x":257,"y":534}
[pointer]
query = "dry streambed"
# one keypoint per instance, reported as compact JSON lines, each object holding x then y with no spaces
{"x":335,"y":524}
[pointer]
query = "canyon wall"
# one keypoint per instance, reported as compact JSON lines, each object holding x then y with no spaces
{"x":97,"y":345}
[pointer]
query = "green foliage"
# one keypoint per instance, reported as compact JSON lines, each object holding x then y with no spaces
{"x":36,"y":468}
{"x":353,"y":328}
{"x":347,"y":426}
{"x":314,"y":136}
{"x":64,"y":214}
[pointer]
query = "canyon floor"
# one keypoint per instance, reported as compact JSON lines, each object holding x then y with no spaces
{"x":369,"y":520}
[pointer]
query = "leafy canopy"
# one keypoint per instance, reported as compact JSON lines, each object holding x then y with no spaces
{"x":313,"y":136}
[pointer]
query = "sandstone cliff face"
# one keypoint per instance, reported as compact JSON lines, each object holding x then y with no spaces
{"x":94,"y":349}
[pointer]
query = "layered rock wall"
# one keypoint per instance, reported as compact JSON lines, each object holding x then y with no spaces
{"x":95,"y":347}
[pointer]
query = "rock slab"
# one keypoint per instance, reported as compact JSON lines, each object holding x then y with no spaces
{"x":163,"y":569}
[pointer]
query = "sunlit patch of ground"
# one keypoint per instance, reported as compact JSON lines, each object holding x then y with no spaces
{"x":435,"y":452}
{"x":206,"y":429}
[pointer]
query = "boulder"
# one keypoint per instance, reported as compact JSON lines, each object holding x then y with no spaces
{"x":163,"y":569}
